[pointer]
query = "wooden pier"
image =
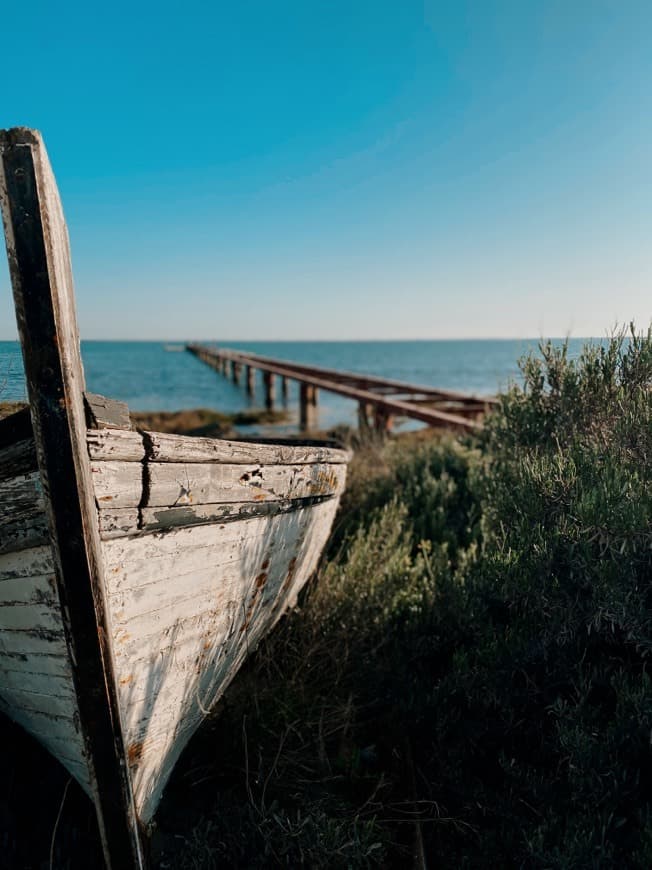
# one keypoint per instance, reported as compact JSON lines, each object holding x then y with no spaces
{"x":379,"y":400}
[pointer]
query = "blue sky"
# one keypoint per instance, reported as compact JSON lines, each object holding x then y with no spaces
{"x":323,"y":169}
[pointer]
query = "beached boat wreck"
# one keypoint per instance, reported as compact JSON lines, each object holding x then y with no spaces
{"x":137,"y":569}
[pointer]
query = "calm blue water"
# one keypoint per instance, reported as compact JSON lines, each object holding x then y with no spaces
{"x":149,"y":378}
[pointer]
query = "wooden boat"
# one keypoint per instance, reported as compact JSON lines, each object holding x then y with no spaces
{"x":136,"y":569}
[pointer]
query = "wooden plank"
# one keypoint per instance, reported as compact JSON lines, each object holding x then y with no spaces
{"x":21,"y":498}
{"x":186,"y":609}
{"x":42,"y":684}
{"x":21,"y":534}
{"x":123,"y":484}
{"x":41,"y":722}
{"x":35,"y":562}
{"x":31,"y":624}
{"x":142,"y":611}
{"x":134,"y":562}
{"x":33,"y":702}
{"x":118,"y":522}
{"x":130,"y":447}
{"x":34,"y":642}
{"x":103,"y":413}
{"x":175,"y":664}
{"x":18,"y":458}
{"x":23,"y":523}
{"x":41,"y":275}
{"x":31,"y":617}
{"x":47,"y":665}
{"x":36,"y":591}
{"x":142,"y":554}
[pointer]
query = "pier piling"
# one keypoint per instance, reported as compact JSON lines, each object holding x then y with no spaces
{"x":307,"y":407}
{"x":270,"y":390}
{"x":250,"y":380}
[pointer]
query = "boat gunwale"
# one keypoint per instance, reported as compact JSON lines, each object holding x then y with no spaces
{"x":139,"y":445}
{"x":183,"y":517}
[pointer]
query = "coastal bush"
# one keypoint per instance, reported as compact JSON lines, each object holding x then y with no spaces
{"x":432,"y":479}
{"x":468,"y":676}
{"x":542,"y":723}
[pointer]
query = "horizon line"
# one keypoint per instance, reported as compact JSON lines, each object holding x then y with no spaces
{"x":186,"y":341}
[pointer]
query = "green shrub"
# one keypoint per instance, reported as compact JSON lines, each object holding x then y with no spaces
{"x":432,"y":481}
{"x":548,"y":709}
{"x":470,"y":670}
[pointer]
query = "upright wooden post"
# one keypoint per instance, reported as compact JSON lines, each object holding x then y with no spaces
{"x":383,"y":421}
{"x":307,"y":407}
{"x":284,"y":390}
{"x":363,"y":420}
{"x":41,"y":275}
{"x":270,"y":390}
{"x":235,"y":371}
{"x":251,"y":380}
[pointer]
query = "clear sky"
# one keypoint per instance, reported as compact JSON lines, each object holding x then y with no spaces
{"x":341,"y":168}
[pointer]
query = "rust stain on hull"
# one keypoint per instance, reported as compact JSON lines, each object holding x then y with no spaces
{"x":135,"y":753}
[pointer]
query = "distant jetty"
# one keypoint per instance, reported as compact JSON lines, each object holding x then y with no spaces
{"x":379,"y":400}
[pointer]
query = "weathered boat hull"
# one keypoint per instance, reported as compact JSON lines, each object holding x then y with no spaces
{"x":224,"y":550}
{"x":137,"y":570}
{"x":200,"y":560}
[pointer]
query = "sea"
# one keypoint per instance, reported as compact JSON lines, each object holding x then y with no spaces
{"x":162,"y":376}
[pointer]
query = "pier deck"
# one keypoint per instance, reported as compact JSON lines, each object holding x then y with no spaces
{"x":379,"y":399}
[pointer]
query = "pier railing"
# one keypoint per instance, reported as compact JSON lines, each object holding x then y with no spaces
{"x":379,"y":399}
